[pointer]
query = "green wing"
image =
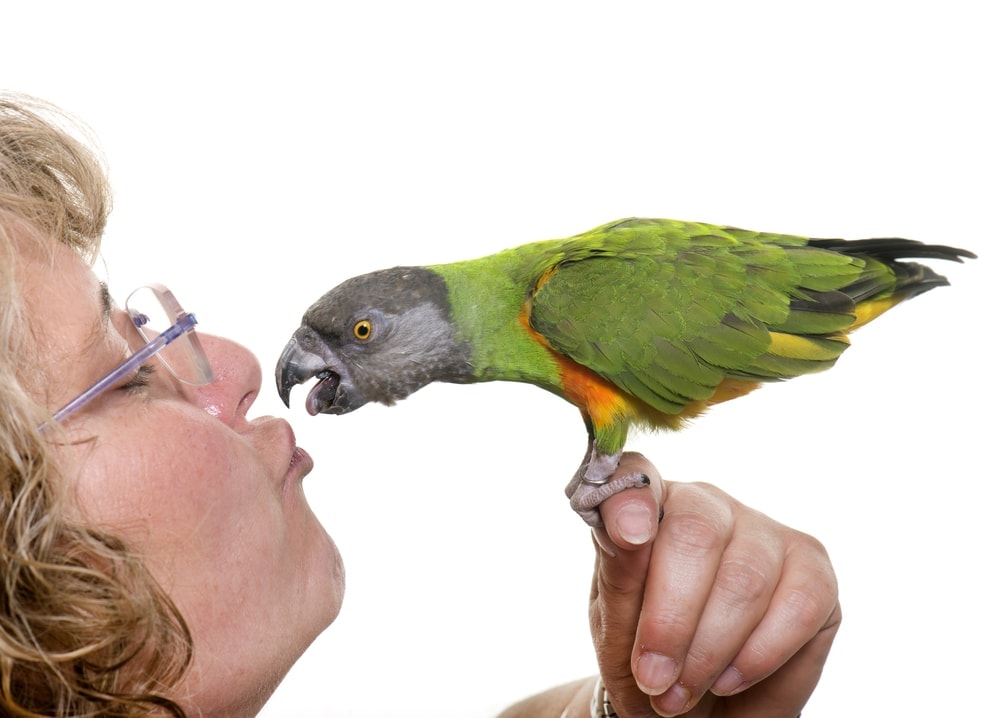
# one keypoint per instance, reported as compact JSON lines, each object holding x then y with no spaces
{"x":667,"y":310}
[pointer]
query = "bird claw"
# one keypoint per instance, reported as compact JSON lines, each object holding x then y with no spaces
{"x":587,"y":496}
{"x":595,"y":481}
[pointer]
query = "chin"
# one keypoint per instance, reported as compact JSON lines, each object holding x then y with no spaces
{"x":329,"y":581}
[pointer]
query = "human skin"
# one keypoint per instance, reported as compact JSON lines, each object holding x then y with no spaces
{"x":212,"y":501}
{"x":744,"y":608}
{"x":214,"y":504}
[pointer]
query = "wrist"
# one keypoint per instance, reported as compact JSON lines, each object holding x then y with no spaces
{"x":600,"y":704}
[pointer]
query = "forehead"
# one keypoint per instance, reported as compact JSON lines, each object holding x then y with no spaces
{"x":64,"y":309}
{"x":59,"y":288}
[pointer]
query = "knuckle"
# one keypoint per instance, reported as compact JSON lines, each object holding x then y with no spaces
{"x":696,"y":519}
{"x":808,"y":606}
{"x":700,"y":667}
{"x":742,"y":581}
{"x":698,"y":664}
{"x":810,"y":602}
{"x":814,"y":546}
{"x":661,"y":627}
{"x":694,"y":531}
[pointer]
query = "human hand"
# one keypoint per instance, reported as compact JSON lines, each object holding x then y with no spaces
{"x":715,"y":609}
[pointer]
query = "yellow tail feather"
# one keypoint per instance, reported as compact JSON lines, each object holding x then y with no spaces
{"x":873,"y":308}
{"x":793,"y":346}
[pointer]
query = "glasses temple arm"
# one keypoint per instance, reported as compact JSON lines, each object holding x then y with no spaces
{"x":184,"y":324}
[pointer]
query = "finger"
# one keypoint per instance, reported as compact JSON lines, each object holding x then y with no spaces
{"x":804,"y":606}
{"x":631,"y":517}
{"x":788,"y":689}
{"x":697,"y":526}
{"x":741,"y":593}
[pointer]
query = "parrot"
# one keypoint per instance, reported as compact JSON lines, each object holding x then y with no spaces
{"x":640,"y":323}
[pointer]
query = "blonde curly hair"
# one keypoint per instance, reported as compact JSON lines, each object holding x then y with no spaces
{"x":85,"y":630}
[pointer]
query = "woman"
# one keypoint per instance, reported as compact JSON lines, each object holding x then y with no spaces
{"x":159,"y":556}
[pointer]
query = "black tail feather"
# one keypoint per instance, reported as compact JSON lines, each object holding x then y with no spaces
{"x":893,"y":248}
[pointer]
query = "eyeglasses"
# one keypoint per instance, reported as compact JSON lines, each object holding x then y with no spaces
{"x":169,"y":334}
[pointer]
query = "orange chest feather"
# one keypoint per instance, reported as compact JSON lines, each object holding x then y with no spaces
{"x":605,"y":404}
{"x":602,"y":401}
{"x":597,"y":397}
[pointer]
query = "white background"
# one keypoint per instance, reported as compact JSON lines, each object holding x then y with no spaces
{"x":262,"y":154}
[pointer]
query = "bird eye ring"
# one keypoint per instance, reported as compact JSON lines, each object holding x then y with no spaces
{"x":363,"y":330}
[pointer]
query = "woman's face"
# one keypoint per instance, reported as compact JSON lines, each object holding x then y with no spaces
{"x":212,"y":500}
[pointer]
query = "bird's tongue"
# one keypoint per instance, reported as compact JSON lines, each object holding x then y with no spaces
{"x":322,"y":398}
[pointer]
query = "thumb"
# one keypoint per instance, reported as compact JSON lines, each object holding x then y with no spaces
{"x":631,"y":517}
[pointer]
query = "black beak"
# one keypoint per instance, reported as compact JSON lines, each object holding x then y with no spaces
{"x":305,"y":357}
{"x":295,"y":366}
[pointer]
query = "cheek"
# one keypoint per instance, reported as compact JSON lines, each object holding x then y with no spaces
{"x":215,"y":527}
{"x":185,"y":500}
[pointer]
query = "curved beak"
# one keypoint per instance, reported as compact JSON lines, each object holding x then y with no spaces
{"x":295,"y":366}
{"x":306,"y":356}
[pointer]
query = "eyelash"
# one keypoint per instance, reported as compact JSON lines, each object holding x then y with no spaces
{"x":140,"y":379}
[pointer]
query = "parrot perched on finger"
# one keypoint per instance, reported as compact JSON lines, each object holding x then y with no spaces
{"x":640,"y":322}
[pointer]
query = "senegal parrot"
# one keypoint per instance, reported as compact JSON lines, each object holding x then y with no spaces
{"x":641,"y":322}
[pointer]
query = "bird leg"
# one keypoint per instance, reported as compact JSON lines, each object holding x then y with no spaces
{"x":593,"y":483}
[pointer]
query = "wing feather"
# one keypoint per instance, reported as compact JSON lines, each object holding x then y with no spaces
{"x":668,"y":310}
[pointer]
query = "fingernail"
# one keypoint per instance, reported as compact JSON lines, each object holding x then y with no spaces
{"x":654,"y":673}
{"x":728,"y":683}
{"x":635,"y":523}
{"x":673,"y":702}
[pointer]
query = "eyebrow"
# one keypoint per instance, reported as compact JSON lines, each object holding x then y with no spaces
{"x":104,"y":295}
{"x":101,"y":326}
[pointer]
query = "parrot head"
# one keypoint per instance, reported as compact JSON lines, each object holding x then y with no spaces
{"x":376,"y":337}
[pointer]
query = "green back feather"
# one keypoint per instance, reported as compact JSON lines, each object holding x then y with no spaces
{"x":667,"y":310}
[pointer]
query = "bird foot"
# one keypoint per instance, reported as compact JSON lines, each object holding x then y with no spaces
{"x":587,"y":497}
{"x":595,"y":481}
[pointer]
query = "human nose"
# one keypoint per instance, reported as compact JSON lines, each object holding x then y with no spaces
{"x":237,"y":380}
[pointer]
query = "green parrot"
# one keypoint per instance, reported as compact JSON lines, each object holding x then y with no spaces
{"x":640,"y":322}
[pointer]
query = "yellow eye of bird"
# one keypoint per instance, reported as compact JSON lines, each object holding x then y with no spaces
{"x":363,"y":329}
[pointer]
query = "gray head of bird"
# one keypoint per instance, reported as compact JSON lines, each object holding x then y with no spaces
{"x":376,"y":337}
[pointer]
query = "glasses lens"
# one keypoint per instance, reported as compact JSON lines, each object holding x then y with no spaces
{"x":154,"y":310}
